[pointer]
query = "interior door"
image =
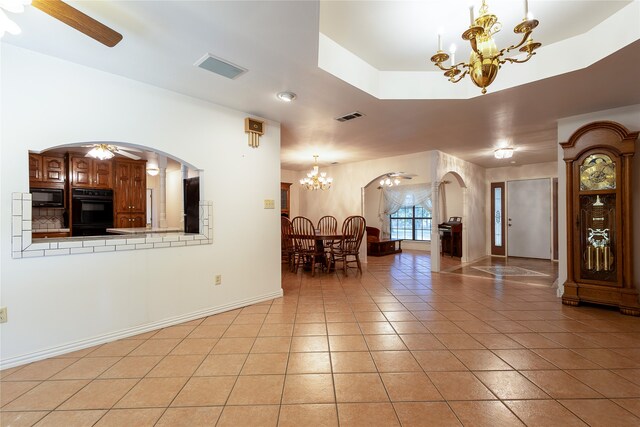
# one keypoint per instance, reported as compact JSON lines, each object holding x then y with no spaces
{"x":529,"y":218}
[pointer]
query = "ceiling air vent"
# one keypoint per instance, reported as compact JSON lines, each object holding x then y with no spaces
{"x":350,"y":116}
{"x":220,"y":66}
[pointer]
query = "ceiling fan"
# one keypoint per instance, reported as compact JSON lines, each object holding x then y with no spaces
{"x":78,"y":20}
{"x":107,"y":151}
{"x":393,"y":178}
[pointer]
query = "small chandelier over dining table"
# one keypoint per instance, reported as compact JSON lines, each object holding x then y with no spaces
{"x":316,"y":180}
{"x":486,"y":59}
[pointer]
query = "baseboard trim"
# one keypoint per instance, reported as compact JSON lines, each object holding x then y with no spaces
{"x":136,"y":330}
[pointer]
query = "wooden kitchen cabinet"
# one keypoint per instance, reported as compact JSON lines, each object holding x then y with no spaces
{"x":130,"y":193}
{"x":49,"y":235}
{"x":35,"y":169}
{"x":47,"y":171}
{"x":130,"y":220}
{"x":91,"y":173}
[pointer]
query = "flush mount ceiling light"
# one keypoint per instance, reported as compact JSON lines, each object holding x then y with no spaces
{"x":486,"y":59}
{"x":503,"y":153}
{"x":153,"y":171}
{"x":316,"y":180}
{"x":287,"y":96}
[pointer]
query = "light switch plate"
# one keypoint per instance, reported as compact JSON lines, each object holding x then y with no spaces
{"x":269,"y":204}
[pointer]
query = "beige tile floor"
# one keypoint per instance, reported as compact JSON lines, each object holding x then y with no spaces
{"x":394,"y":346}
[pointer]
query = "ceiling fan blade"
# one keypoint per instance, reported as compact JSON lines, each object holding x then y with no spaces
{"x":126,"y":154}
{"x":135,"y":150}
{"x":78,"y":20}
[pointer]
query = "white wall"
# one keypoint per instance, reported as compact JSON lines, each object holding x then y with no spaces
{"x":628,"y":117}
{"x":453,"y":194}
{"x":69,"y":300}
{"x":372,"y":206}
{"x":515,"y":173}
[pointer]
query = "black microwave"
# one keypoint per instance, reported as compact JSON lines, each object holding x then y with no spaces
{"x":47,"y":198}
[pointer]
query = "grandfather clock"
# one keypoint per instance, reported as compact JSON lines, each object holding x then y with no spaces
{"x":599,"y":217}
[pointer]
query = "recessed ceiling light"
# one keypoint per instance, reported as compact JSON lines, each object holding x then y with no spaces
{"x":287,"y":96}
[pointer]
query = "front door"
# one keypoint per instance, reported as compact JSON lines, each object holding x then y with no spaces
{"x":529,"y":218}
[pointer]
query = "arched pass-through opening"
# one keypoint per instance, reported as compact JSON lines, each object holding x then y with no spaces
{"x":69,"y":169}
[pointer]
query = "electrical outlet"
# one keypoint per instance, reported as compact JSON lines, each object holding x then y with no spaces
{"x":218,"y":279}
{"x":3,"y":314}
{"x":269,"y":204}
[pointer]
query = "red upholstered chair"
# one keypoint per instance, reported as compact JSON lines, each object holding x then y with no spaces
{"x":373,"y":235}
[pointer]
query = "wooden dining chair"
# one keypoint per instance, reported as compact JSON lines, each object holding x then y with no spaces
{"x":287,"y":246}
{"x":328,"y":225}
{"x":306,"y":247}
{"x":349,"y":247}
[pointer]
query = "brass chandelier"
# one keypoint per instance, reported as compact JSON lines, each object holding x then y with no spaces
{"x":316,"y":180}
{"x":486,"y":59}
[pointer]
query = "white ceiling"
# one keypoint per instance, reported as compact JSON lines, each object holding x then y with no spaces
{"x":278,"y":43}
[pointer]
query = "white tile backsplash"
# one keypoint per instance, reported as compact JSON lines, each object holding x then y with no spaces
{"x":47,"y":218}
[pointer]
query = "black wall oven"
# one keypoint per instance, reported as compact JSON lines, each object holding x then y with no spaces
{"x":92,"y":212}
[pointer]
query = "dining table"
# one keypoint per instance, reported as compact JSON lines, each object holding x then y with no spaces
{"x":320,"y":239}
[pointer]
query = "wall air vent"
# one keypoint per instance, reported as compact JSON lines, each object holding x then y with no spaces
{"x":349,"y":116}
{"x":220,"y":66}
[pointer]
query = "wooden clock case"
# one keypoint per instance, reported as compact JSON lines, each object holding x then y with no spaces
{"x":614,"y":284}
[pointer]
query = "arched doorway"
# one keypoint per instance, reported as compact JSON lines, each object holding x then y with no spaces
{"x":449,"y":200}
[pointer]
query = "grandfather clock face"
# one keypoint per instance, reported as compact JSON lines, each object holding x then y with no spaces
{"x":597,"y":172}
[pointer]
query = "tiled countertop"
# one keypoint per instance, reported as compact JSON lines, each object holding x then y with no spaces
{"x":143,"y":230}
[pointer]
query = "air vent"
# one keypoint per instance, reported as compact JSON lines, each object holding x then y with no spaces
{"x":220,"y":66}
{"x":350,"y":116}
